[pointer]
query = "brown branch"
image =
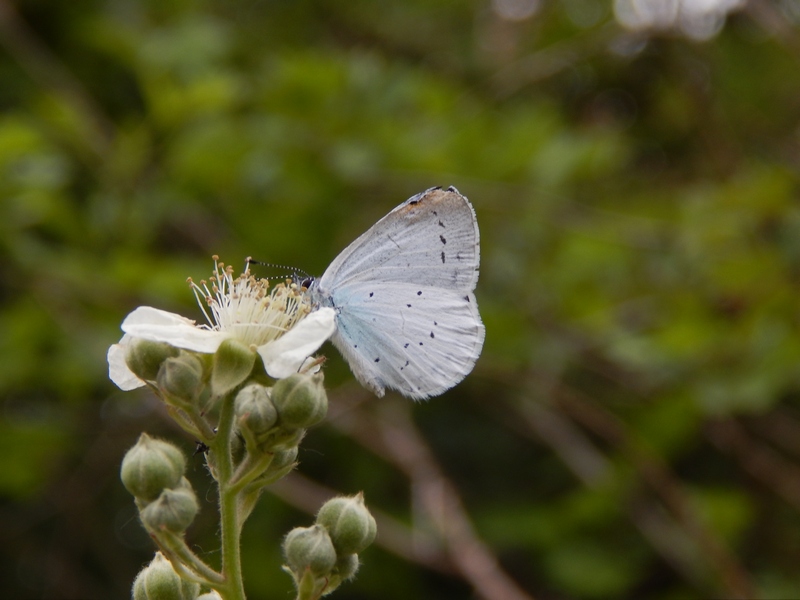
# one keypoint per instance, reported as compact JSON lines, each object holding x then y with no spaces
{"x":49,"y":72}
{"x":657,"y":475}
{"x":761,"y":462}
{"x":591,"y":467}
{"x":308,"y":495}
{"x":399,"y":442}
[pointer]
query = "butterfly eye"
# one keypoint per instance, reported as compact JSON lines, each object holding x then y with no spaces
{"x":306,"y":283}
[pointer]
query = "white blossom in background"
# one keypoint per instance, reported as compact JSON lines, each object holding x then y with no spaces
{"x":697,"y":19}
{"x":279,"y":324}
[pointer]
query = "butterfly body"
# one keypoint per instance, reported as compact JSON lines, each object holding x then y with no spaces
{"x":406,"y":315}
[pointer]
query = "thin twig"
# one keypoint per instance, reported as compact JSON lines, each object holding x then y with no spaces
{"x":400,"y":443}
{"x":657,"y":475}
{"x":763,"y":463}
{"x":47,"y":70}
{"x":394,"y":536}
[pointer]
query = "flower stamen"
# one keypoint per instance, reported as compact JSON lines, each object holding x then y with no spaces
{"x":246,"y":307}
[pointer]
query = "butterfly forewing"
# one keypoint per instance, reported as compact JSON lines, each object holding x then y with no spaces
{"x":432,"y":239}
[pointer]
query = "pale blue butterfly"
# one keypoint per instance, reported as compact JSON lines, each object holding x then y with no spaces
{"x":406,"y":315}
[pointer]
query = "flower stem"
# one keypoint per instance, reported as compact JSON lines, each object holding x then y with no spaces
{"x":175,"y":549}
{"x":230,"y":526}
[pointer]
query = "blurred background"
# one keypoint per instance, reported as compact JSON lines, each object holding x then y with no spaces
{"x":632,"y":429}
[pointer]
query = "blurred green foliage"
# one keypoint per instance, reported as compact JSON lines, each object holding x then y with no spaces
{"x":631,"y":430}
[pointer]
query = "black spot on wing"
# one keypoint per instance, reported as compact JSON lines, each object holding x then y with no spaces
{"x":440,"y":223}
{"x":442,"y":257}
{"x":408,"y":305}
{"x":405,"y":345}
{"x":441,"y":237}
{"x":377,"y":360}
{"x":432,"y":336}
{"x":371,"y":294}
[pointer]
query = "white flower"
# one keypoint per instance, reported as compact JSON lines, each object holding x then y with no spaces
{"x":279,"y":324}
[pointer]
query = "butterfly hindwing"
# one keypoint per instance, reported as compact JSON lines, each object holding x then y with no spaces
{"x":419,"y":341}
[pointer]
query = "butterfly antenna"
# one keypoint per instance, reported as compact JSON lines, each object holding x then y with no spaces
{"x":296,"y":275}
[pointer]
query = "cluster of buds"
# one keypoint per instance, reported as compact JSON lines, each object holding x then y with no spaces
{"x":270,"y":423}
{"x":245,"y":387}
{"x":319,"y":558}
{"x":159,"y":581}
{"x":153,"y":472}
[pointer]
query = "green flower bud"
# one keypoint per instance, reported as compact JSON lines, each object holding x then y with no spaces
{"x":181,"y":376}
{"x":301,"y":400}
{"x":174,"y":510}
{"x":282,"y":459}
{"x":345,"y":569}
{"x":151,"y":466}
{"x":350,"y":525}
{"x":286,"y":439}
{"x":254,"y":410}
{"x":159,"y":581}
{"x":232,"y":364}
{"x":144,"y":357}
{"x":347,"y":566}
{"x":309,"y":548}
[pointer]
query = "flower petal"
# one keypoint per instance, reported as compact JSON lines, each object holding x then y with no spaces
{"x":157,"y":325}
{"x":284,"y":356}
{"x":118,"y":370}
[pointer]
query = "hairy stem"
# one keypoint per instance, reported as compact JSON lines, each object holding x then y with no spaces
{"x":230,"y":525}
{"x":184,"y":560}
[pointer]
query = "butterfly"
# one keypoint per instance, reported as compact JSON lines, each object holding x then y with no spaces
{"x":406,"y":316}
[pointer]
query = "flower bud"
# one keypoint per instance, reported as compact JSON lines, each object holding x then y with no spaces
{"x":347,"y":566}
{"x":144,"y":357}
{"x":282,"y":459}
{"x":286,"y":439}
{"x":181,"y":376}
{"x":232,"y":364}
{"x":151,"y":466}
{"x":174,"y":510}
{"x":309,"y":548}
{"x":350,"y":525}
{"x":254,"y":409}
{"x":301,"y":400}
{"x":159,"y":581}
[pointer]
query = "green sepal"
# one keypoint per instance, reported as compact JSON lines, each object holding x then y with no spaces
{"x":232,"y":364}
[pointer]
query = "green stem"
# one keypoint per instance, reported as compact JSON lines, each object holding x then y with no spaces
{"x":183,"y":559}
{"x":249,"y":470}
{"x":230,"y":526}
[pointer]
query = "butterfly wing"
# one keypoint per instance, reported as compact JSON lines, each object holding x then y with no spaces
{"x":406,"y":316}
{"x":430,"y":239}
{"x":418,"y":340}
